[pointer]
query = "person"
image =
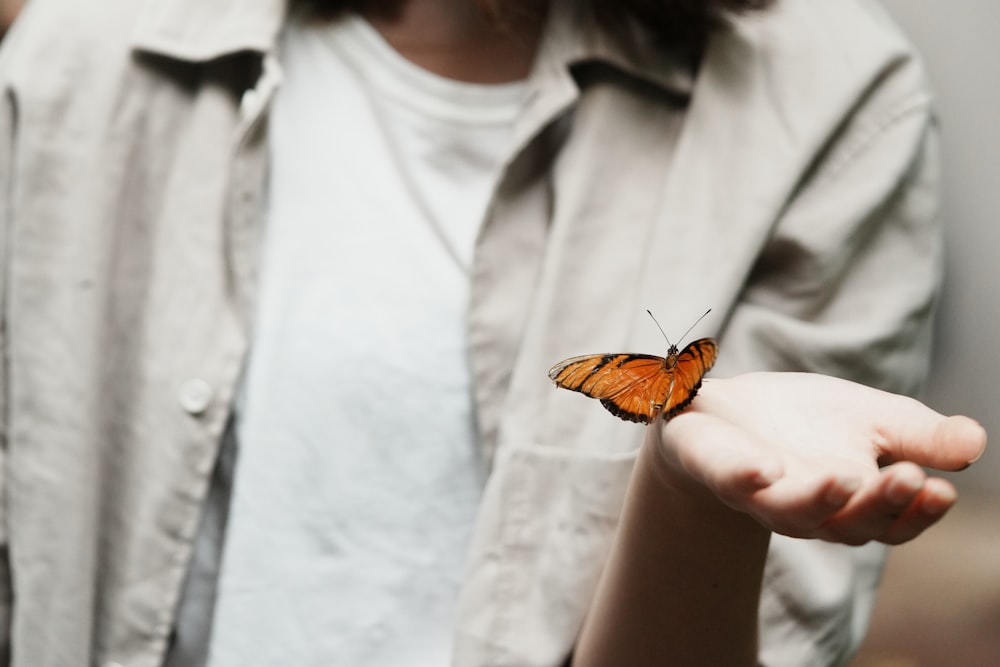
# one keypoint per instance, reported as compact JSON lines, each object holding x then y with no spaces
{"x":282,"y":285}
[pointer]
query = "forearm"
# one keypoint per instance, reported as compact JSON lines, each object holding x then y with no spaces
{"x":682,"y":584}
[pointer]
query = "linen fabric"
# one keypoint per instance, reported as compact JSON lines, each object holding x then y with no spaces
{"x":793,"y":189}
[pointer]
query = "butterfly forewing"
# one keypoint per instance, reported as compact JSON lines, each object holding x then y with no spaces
{"x":603,"y":375}
{"x":631,"y":386}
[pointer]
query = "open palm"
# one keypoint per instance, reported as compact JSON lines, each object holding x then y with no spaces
{"x":814,"y":456}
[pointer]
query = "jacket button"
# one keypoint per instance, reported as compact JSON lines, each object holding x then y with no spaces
{"x":195,"y":396}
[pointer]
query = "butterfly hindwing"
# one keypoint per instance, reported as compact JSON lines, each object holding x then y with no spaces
{"x":691,"y":365}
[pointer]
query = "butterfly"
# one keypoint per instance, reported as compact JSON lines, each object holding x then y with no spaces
{"x":640,"y":387}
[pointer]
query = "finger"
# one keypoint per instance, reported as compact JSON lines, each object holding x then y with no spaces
{"x":799,"y":506}
{"x":871,"y":513}
{"x":918,"y":434}
{"x":932,"y":503}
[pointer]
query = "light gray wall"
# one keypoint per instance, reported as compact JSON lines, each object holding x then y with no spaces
{"x":960,"y":42}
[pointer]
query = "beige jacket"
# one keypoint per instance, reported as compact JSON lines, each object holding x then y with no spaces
{"x":797,"y":199}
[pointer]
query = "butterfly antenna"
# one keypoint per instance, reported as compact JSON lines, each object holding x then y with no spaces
{"x":661,"y":328}
{"x":686,"y":332}
{"x":696,"y":323}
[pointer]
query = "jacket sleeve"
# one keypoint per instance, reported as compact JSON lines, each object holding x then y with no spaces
{"x":846,"y":286}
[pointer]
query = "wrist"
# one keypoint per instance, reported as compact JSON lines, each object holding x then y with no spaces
{"x":692,"y":502}
{"x":682,"y":582}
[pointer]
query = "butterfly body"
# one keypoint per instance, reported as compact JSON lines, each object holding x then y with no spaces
{"x":639,"y":387}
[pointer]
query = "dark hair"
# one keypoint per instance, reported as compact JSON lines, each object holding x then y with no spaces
{"x":670,"y":21}
{"x":673,"y":21}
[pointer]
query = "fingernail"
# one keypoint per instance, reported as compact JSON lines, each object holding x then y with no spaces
{"x":936,"y":507}
{"x":840,"y":491}
{"x":769,"y":474}
{"x":901,"y":491}
{"x":933,"y":511}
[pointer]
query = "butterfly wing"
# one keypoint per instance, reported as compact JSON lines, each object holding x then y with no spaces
{"x":692,"y":363}
{"x":633,"y":387}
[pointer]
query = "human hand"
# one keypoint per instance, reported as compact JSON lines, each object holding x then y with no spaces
{"x":813,"y":456}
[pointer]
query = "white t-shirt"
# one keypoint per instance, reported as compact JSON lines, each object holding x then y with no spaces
{"x":358,"y":477}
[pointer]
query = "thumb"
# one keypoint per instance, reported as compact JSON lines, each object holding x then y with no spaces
{"x":918,"y":434}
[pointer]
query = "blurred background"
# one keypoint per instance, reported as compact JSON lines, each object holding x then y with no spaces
{"x":940,"y":601}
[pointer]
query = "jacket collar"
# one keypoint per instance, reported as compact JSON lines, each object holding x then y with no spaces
{"x":199,"y":31}
{"x":574,"y":37}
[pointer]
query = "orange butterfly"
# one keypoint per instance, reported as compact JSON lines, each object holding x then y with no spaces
{"x":640,"y":387}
